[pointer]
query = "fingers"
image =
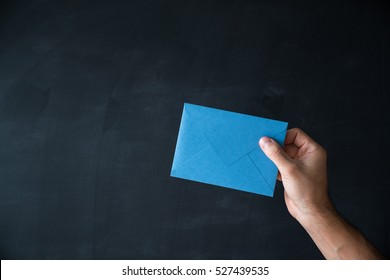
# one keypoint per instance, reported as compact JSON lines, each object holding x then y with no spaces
{"x":297,"y":137}
{"x":291,"y":150}
{"x":275,"y":153}
{"x":298,"y":143}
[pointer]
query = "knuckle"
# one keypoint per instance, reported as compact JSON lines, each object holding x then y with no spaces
{"x":274,"y":150}
{"x":321,"y":151}
{"x":291,"y":169}
{"x":298,"y":130}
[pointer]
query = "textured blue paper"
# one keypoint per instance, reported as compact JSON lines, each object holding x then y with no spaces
{"x":221,"y":148}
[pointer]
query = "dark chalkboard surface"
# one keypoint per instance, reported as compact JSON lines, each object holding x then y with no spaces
{"x":91,"y":94}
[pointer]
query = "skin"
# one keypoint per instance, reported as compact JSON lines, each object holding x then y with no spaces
{"x":302,"y":169}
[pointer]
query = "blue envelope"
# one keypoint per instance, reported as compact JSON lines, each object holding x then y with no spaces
{"x":221,"y":148}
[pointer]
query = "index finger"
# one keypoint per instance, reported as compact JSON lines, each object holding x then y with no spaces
{"x":297,"y":137}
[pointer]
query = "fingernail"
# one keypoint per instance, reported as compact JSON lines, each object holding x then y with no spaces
{"x":264,"y":141}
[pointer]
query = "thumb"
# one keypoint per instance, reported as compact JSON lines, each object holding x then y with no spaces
{"x":275,"y":153}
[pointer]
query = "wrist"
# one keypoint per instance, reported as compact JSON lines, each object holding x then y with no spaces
{"x":316,"y":214}
{"x":335,"y":238}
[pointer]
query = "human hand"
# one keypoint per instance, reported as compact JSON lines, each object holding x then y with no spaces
{"x":302,"y":169}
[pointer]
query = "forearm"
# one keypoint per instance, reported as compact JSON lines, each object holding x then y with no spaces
{"x":335,"y":238}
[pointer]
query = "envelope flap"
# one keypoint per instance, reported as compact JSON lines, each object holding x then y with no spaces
{"x":234,"y":135}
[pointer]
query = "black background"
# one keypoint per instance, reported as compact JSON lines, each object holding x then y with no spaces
{"x":91,"y":95}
